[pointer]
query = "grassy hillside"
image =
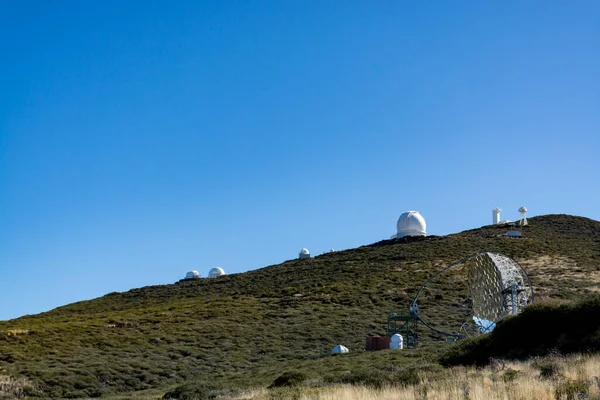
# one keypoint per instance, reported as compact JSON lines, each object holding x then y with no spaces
{"x":247,"y":328}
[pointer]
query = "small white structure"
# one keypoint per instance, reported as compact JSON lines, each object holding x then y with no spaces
{"x":523,"y":211}
{"x":339,"y":349}
{"x":496,"y":215}
{"x":304,"y":253}
{"x":397,"y":342}
{"x":411,"y":223}
{"x":192,"y":275}
{"x":215,"y":272}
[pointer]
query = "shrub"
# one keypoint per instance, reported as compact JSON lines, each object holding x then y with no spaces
{"x":548,"y":369}
{"x":289,"y":379}
{"x":572,"y":390}
{"x":198,"y":391}
{"x":510,"y":375}
{"x":534,"y":332}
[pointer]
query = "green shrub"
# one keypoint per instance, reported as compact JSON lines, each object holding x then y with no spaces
{"x":548,"y":369}
{"x":289,"y":379}
{"x":510,"y":375}
{"x":534,"y":332}
{"x":572,"y":390}
{"x":198,"y":391}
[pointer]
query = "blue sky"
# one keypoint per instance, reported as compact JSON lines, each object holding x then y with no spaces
{"x":140,"y":140}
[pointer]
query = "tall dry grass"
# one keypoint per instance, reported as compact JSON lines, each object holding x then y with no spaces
{"x":551,"y":378}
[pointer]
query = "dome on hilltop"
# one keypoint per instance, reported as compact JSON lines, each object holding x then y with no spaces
{"x":411,"y":223}
{"x":216,"y":271}
{"x":192,"y":275}
{"x":304,"y":253}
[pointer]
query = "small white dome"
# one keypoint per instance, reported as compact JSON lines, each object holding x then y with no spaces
{"x":216,"y":271}
{"x":397,"y":342}
{"x":304,"y":253}
{"x":411,"y":223}
{"x":192,"y":275}
{"x":523,"y":209}
{"x":339,"y":349}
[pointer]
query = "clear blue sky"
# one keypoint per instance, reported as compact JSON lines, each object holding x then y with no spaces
{"x":140,"y":140}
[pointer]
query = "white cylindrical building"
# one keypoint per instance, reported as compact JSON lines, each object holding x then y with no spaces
{"x":215,"y":272}
{"x":411,"y":223}
{"x":496,"y":215}
{"x":304,"y":253}
{"x":397,"y":342}
{"x":192,"y":275}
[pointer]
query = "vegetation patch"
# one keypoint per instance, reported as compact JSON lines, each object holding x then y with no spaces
{"x":289,"y":379}
{"x":541,"y":329}
{"x":199,"y":391}
{"x":245,"y":330}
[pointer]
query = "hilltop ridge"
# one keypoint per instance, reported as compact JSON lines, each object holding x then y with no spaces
{"x":246,"y":327}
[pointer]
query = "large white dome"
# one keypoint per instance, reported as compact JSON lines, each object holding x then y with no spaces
{"x":216,"y":271}
{"x":411,"y":223}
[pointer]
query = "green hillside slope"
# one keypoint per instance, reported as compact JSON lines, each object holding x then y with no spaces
{"x":248,"y":328}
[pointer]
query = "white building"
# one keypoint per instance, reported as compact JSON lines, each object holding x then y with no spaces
{"x":339,"y":349}
{"x":304,"y":253}
{"x":496,"y":216}
{"x":397,"y":342}
{"x":523,"y":212}
{"x":215,"y":272}
{"x":411,"y":223}
{"x":192,"y":275}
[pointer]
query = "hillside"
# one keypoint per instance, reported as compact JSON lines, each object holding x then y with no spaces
{"x":247,"y":328}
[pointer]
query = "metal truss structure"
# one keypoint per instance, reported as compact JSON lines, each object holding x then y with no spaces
{"x":497,"y":286}
{"x":405,"y":325}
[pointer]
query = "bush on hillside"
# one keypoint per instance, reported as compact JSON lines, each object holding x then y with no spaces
{"x":289,"y":379}
{"x":573,"y":390}
{"x":539,"y":330}
{"x":381,"y":378}
{"x":548,"y":369}
{"x":198,"y":391}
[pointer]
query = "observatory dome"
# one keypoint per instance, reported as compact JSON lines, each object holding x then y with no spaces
{"x":304,"y":253}
{"x":216,"y":271}
{"x":339,"y":349}
{"x":192,"y":275}
{"x":411,"y":223}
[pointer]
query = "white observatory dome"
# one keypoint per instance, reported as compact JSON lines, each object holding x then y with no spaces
{"x":216,"y":271}
{"x":411,"y":223}
{"x":339,"y":349}
{"x":304,"y":253}
{"x":192,"y":275}
{"x":397,"y":342}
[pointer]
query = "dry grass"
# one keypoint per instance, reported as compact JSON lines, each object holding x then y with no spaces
{"x":559,"y":270}
{"x":13,"y":387}
{"x":17,"y":332}
{"x":576,"y":377}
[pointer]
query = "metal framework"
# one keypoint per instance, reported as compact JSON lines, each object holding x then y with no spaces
{"x":497,"y":286}
{"x":405,"y":325}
